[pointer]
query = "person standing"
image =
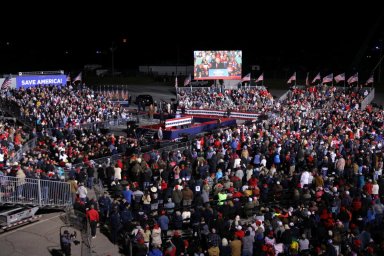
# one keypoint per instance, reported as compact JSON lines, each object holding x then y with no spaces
{"x":151,"y":111}
{"x":73,"y":188}
{"x":236,"y":247}
{"x":160,"y":133}
{"x":82,"y":192}
{"x":163,"y":222}
{"x":93,"y":217}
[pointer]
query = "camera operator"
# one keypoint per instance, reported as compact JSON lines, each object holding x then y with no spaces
{"x":66,"y":240}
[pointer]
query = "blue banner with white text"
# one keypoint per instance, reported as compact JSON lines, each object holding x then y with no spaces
{"x":32,"y":81}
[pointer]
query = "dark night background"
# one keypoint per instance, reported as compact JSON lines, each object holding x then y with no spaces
{"x":320,"y":37}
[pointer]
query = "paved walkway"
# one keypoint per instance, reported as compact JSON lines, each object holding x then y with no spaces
{"x":100,"y":245}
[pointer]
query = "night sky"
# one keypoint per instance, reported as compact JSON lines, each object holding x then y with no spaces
{"x":320,"y":37}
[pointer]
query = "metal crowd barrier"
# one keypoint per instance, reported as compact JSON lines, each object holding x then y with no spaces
{"x":29,"y":145}
{"x":27,"y":191}
{"x":111,"y":160}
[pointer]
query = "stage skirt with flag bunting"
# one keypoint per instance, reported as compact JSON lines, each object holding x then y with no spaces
{"x":353,"y":79}
{"x":328,"y":78}
{"x":340,"y":77}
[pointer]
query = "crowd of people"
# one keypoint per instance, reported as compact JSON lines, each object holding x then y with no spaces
{"x":54,"y":106}
{"x":305,"y":180}
{"x":246,"y":99}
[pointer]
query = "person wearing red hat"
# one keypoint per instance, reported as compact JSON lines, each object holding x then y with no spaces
{"x":239,"y":232}
{"x":156,"y":235}
{"x":178,"y":242}
{"x":269,"y":239}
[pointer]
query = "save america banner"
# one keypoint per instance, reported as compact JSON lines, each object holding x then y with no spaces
{"x":31,"y":81}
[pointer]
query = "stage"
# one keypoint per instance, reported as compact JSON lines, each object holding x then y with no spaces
{"x":190,"y":125}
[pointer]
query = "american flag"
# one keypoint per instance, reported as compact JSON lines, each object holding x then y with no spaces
{"x":328,"y":78}
{"x":370,"y":80}
{"x":354,"y":78}
{"x":261,"y":78}
{"x":6,"y":84}
{"x":187,"y":80}
{"x":340,"y":77}
{"x":246,"y":78}
{"x":78,"y":78}
{"x":68,"y":78}
{"x":317,"y":77}
{"x":292,"y":78}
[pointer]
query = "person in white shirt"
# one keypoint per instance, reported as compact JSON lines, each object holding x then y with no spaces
{"x":117,"y":173}
{"x":82,"y":192}
{"x":375,"y":189}
{"x":304,"y":179}
{"x":263,"y":161}
{"x":63,"y":157}
{"x":303,"y":243}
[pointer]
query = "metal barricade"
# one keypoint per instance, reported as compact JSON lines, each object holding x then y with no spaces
{"x":29,"y":145}
{"x":27,"y":191}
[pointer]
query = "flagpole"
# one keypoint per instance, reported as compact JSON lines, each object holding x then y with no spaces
{"x":177,"y":94}
{"x":262,"y":81}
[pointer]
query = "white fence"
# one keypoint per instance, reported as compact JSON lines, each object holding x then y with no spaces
{"x":38,"y":192}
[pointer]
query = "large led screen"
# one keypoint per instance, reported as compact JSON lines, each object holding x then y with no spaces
{"x":224,"y":65}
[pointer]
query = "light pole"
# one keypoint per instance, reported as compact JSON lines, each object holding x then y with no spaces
{"x":113,"y":48}
{"x":380,"y":60}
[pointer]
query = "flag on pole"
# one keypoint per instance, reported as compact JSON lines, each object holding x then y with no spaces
{"x":340,"y":77}
{"x":6,"y":83}
{"x":307,"y":79}
{"x":354,"y":78}
{"x":292,"y":78}
{"x":68,"y":78}
{"x":78,"y":78}
{"x":370,"y":80}
{"x":187,"y":80}
{"x":328,"y":78}
{"x":246,"y":78}
{"x":317,"y":77}
{"x":176,"y":82}
{"x":261,"y":78}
